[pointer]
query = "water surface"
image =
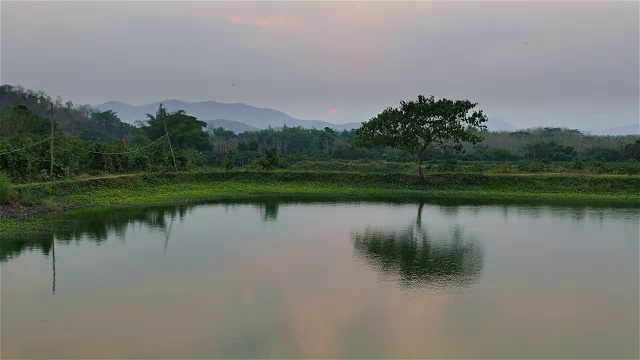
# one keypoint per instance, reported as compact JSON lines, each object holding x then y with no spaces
{"x":326,"y":280}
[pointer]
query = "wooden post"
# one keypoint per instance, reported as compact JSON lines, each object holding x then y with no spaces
{"x":52,"y":126}
{"x":170,"y":147}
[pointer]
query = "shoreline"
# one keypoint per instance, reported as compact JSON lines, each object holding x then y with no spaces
{"x":38,"y":203}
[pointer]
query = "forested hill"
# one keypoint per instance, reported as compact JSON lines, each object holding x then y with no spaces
{"x":18,"y":107}
{"x":256,"y":117}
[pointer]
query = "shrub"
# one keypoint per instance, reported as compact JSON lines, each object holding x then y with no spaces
{"x":531,"y":167}
{"x":227,"y":163}
{"x":599,"y":167}
{"x":448,"y":165}
{"x":6,"y":189}
{"x":271,"y":160}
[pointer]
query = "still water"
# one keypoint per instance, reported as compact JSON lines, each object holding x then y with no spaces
{"x":282,"y":279}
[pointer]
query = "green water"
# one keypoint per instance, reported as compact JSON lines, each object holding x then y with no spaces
{"x":326,"y":280}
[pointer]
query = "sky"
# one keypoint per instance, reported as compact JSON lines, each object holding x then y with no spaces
{"x":573,"y":64}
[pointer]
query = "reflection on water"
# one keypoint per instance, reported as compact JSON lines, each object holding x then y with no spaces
{"x":94,"y":226}
{"x":463,"y":280}
{"x":97,"y":225}
{"x":269,"y":210}
{"x":415,"y":258}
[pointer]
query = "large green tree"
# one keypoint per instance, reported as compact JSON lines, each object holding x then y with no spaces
{"x":185,"y":131}
{"x":632,"y":151}
{"x":421,"y":125}
{"x":19,"y":120}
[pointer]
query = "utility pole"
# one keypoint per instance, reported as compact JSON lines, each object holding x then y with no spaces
{"x":52,"y":140}
{"x":170,"y":147}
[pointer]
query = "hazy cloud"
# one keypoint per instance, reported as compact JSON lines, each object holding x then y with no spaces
{"x":568,"y":63}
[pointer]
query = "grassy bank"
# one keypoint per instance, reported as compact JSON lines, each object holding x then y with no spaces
{"x":184,"y":187}
{"x":179,"y":188}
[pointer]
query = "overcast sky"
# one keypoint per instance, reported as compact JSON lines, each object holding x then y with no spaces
{"x":573,"y":63}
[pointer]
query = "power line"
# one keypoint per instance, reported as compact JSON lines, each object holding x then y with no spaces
{"x":132,"y":151}
{"x":79,"y":148}
{"x":26,"y":147}
{"x":119,"y":153}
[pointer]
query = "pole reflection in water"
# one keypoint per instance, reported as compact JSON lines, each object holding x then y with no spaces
{"x":53,"y":258}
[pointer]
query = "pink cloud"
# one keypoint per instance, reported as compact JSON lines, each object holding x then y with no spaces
{"x":331,"y":37}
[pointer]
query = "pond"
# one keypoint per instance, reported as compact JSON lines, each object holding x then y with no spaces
{"x":321,"y":279}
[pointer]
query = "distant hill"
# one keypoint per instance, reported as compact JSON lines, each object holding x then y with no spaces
{"x":260,"y":118}
{"x":71,"y":119}
{"x":235,"y":126}
{"x":633,"y":129}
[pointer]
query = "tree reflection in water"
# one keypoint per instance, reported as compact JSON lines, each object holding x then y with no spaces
{"x":415,"y":259}
{"x":93,"y":225}
{"x":269,"y":210}
{"x":97,"y":225}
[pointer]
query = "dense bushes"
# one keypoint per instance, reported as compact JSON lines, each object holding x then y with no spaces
{"x":271,"y":160}
{"x":452,"y":165}
{"x":6,"y":189}
{"x":73,"y":156}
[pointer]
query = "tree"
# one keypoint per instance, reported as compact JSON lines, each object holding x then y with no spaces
{"x":271,"y":159}
{"x":419,"y":126}
{"x":632,"y":151}
{"x":109,"y":121}
{"x":185,"y":131}
{"x":19,"y":120}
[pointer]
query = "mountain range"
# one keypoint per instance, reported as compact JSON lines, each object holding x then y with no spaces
{"x":239,"y":117}
{"x":225,"y":113}
{"x":235,"y":126}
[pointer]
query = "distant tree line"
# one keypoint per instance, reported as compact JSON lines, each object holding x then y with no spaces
{"x":541,"y":145}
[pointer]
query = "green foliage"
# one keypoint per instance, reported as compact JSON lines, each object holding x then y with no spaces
{"x":189,"y":159}
{"x":449,"y":165}
{"x":531,"y":166}
{"x":74,"y":120}
{"x":227,"y":163}
{"x":184,"y":131}
{"x":199,"y":186}
{"x":419,"y":126}
{"x":19,"y":120}
{"x":549,"y":151}
{"x":6,"y":189}
{"x":271,"y":160}
{"x":97,"y":143}
{"x":632,"y":151}
{"x":599,"y":167}
{"x":360,"y":166}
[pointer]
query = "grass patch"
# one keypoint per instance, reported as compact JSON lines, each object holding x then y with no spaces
{"x":191,"y":187}
{"x":6,"y":189}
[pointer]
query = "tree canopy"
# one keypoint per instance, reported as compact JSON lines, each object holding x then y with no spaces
{"x":184,"y":130}
{"x":19,"y":120}
{"x":75,"y":120}
{"x":419,"y":126}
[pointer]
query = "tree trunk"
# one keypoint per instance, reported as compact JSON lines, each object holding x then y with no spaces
{"x":419,"y":162}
